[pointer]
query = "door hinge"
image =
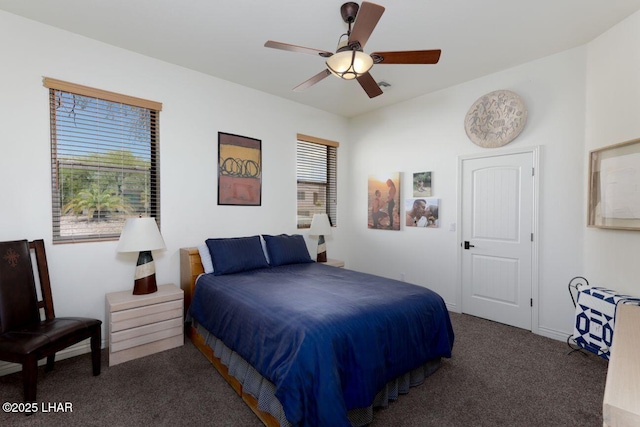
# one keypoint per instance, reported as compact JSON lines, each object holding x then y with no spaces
{"x":531,"y":302}
{"x":533,"y":171}
{"x":532,"y":237}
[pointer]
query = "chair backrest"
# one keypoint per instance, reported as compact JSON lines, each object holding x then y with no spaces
{"x":18,"y":298}
{"x":19,"y":303}
{"x":43,"y":274}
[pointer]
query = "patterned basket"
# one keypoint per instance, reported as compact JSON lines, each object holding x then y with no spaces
{"x":595,"y":318}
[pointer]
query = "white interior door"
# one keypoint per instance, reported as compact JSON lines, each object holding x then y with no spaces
{"x":497,"y":238}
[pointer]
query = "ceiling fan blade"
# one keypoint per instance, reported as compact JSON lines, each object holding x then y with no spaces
{"x":407,"y":57}
{"x":369,"y":85}
{"x":313,"y":80}
{"x":299,"y":49}
{"x":368,"y":16}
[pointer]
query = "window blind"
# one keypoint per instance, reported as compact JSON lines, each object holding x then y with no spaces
{"x":104,"y":161}
{"x":316,"y":171}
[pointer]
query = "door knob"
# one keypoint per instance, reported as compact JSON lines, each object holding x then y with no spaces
{"x":467,"y":245}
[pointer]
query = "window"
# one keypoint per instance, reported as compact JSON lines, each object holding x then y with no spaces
{"x":104,"y":161}
{"x":317,"y":161}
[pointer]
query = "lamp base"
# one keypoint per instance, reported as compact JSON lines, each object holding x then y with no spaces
{"x":145,"y":278}
{"x":322,"y":250}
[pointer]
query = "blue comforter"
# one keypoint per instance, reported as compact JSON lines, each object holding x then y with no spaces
{"x":328,"y":338}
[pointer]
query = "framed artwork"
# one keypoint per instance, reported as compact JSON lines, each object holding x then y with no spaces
{"x":614,"y":186}
{"x":422,"y":212}
{"x":239,"y":170}
{"x":384,"y":201}
{"x":422,"y":184}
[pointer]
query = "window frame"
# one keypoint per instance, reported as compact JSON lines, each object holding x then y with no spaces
{"x":331,"y":184}
{"x":152,"y":171}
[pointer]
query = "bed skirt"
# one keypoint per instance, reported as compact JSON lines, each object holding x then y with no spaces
{"x":264,"y":391}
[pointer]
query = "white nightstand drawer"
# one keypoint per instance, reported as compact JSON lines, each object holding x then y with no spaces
{"x":335,"y":262}
{"x":145,"y":330}
{"x":118,"y":357}
{"x":145,"y":338}
{"x":144,"y":315}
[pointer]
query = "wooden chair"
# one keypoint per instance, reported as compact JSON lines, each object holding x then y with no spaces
{"x":24,"y":337}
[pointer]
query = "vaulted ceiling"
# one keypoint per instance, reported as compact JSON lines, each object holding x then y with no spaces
{"x":226,"y":39}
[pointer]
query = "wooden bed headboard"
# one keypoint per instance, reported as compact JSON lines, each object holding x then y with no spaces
{"x":190,"y":268}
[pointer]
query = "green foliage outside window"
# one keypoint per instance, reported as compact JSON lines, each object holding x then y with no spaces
{"x":90,"y":188}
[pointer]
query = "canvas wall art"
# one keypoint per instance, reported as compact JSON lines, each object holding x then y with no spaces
{"x":239,"y":170}
{"x":422,"y":184}
{"x":384,"y":201}
{"x":422,"y":212}
{"x":614,"y":186}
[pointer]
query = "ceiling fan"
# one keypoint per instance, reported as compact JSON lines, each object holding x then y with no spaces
{"x":350,"y":62}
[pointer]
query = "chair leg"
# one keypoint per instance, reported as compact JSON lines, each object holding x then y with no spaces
{"x":50,"y":361}
{"x":96,"y":339}
{"x":30,"y":379}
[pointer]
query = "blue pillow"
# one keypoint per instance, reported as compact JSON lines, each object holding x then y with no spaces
{"x":285,"y":249}
{"x":235,"y":255}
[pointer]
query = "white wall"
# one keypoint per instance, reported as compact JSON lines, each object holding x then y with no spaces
{"x":427,"y":133}
{"x":195,"y":108}
{"x":613,"y":116}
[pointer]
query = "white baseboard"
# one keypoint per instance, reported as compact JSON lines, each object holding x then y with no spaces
{"x":545,"y":332}
{"x":452,"y":307}
{"x":553,"y":334}
{"x":75,"y":350}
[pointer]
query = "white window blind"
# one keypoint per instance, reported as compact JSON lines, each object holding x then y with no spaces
{"x":104,"y":161}
{"x":317,"y":163}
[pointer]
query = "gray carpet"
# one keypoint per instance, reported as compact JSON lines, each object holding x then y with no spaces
{"x":498,"y":376}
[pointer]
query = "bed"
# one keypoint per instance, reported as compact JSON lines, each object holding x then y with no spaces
{"x":307,"y":344}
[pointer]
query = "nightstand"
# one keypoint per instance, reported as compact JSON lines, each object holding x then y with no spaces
{"x":140,"y":325}
{"x":334,"y":262}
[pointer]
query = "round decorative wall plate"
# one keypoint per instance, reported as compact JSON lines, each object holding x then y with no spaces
{"x":495,"y":119}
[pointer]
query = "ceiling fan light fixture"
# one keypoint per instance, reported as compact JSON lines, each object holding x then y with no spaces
{"x":349,"y":64}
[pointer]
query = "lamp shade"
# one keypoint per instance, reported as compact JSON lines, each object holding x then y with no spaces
{"x":140,"y":234}
{"x":320,"y":225}
{"x":349,"y":64}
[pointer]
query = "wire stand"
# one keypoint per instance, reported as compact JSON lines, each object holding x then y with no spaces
{"x":575,"y":283}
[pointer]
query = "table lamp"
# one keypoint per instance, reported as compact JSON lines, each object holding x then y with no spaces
{"x":320,"y":226}
{"x":142,"y":235}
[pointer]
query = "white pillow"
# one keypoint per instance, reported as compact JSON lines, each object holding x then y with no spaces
{"x":205,"y":257}
{"x":264,"y":249}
